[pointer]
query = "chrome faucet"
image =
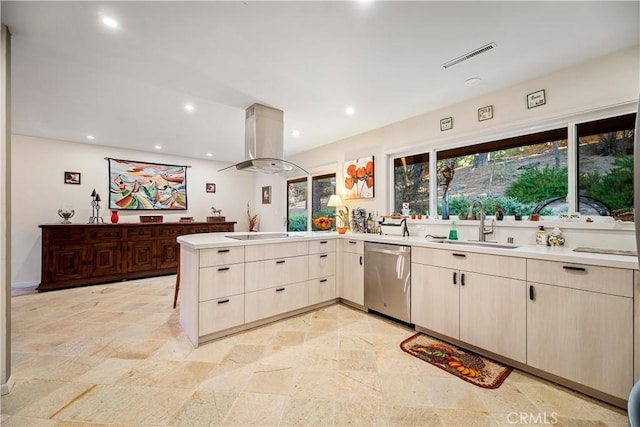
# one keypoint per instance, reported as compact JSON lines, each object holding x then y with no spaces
{"x":482,"y":230}
{"x":405,"y":229}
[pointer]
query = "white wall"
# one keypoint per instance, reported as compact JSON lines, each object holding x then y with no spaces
{"x":607,"y":85}
{"x":39,"y":191}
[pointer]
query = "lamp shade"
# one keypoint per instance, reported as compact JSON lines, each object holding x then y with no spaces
{"x":335,"y":201}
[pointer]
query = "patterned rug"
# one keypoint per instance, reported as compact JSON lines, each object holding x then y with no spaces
{"x":463,"y":364}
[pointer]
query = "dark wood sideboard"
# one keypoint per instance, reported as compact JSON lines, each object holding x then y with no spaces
{"x":87,"y":254}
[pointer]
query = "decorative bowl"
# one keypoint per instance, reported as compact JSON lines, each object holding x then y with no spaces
{"x":341,"y":230}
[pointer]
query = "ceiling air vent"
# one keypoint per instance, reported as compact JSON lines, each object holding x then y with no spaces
{"x":469,"y":55}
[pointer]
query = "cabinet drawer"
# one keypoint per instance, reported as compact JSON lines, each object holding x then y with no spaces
{"x":134,"y":232}
{"x":495,"y":265}
{"x":110,"y":233}
{"x":67,"y":233}
{"x":276,"y":250}
{"x":219,"y":314}
{"x":221,"y":256}
{"x":220,"y":281}
{"x":275,"y":272}
{"x":322,"y":246}
{"x":169,"y":231}
{"x":322,"y":265}
{"x":321,"y":290}
{"x":271,"y":302}
{"x":607,"y":280}
{"x":354,"y":246}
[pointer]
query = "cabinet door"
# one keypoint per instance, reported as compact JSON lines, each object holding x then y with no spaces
{"x":322,"y":265}
{"x":353,"y":278}
{"x":584,"y":336}
{"x":435,"y":299}
{"x":493,"y":314}
{"x":141,"y":255}
{"x":321,"y":290}
{"x":219,"y":314}
{"x":168,"y":253}
{"x":274,"y":301}
{"x":106,"y":259}
{"x":67,"y":262}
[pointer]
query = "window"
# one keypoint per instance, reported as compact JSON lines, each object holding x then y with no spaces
{"x":297,"y":205}
{"x":605,"y":165}
{"x":322,"y":187}
{"x":411,"y":183}
{"x":514,"y":173}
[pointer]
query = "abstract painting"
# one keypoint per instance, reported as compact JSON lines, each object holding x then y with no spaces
{"x":358,"y":178}
{"x":146,"y":186}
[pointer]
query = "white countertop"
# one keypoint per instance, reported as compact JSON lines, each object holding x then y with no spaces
{"x":560,"y":254}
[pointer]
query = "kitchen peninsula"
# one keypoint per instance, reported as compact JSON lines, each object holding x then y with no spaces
{"x":529,"y":306}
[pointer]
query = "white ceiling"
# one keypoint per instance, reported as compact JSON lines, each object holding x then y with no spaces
{"x":73,"y":76}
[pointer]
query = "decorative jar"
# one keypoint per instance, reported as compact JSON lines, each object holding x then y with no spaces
{"x":556,"y":238}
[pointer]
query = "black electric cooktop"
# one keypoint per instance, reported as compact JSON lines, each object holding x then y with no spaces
{"x":256,"y":236}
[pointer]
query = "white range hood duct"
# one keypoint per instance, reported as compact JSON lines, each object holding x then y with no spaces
{"x":263,"y":142}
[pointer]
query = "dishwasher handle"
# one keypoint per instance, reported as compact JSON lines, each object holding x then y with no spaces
{"x":402,"y":250}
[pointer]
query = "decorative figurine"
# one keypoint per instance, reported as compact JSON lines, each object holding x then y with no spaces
{"x":95,"y":208}
{"x":65,"y":215}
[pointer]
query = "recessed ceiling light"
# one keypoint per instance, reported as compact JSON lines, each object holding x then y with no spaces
{"x":473,"y":81}
{"x":295,"y":132}
{"x":350,"y":111}
{"x":190,"y":107}
{"x":110,"y":22}
{"x":209,"y":154}
{"x":157,"y":147}
{"x":91,"y":137}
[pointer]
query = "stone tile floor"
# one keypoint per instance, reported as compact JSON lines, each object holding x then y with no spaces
{"x":115,"y":354}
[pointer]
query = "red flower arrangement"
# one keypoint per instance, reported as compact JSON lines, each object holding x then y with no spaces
{"x":360,"y":177}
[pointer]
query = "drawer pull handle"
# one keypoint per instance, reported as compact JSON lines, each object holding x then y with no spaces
{"x":460,"y":255}
{"x":222,"y":251}
{"x":455,"y":278}
{"x":352,"y":242}
{"x":323,"y":256}
{"x":281,"y":261}
{"x":323,"y":242}
{"x":323,"y":280}
{"x":223,"y":301}
{"x":279,"y":289}
{"x":224,"y":268}
{"x":572,"y":268}
{"x":361,"y":261}
{"x":532,"y":293}
{"x":461,"y":279}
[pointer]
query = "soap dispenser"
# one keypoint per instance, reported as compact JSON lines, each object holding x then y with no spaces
{"x":453,"y":233}
{"x":541,"y":236}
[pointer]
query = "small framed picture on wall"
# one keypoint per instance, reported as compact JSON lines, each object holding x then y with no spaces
{"x":210,"y":188}
{"x":72,"y":178}
{"x":266,"y":195}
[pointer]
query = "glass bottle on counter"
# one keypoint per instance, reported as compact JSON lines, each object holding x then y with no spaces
{"x":370,"y":225}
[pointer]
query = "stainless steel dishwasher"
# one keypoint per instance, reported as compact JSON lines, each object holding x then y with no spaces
{"x":387,"y":279}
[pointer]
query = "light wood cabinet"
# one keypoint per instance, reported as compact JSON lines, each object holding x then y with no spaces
{"x":353,"y":272}
{"x":321,"y":290}
{"x":274,"y":272}
{"x":322,"y":271}
{"x":580,"y":326}
{"x":492,"y":314}
{"x":462,"y":301}
{"x":435,"y":299}
{"x":273,"y":301}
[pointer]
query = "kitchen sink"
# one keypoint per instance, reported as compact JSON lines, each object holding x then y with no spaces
{"x":476,"y":243}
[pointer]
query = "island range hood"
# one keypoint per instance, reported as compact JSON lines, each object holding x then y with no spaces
{"x":263,"y":143}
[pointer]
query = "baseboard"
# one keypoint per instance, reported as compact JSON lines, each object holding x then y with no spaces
{"x":6,"y":388}
{"x":21,"y":285}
